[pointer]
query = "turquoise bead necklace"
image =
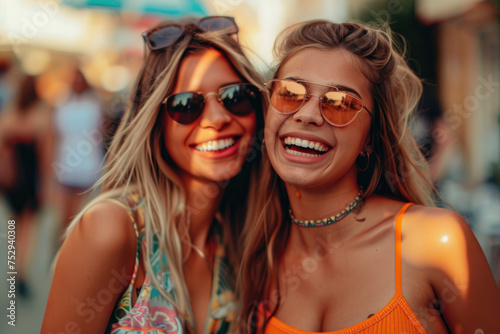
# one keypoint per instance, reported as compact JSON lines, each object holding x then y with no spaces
{"x":331,"y":220}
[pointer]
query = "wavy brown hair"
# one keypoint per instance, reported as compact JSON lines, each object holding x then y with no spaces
{"x":397,"y":168}
{"x":137,"y":161}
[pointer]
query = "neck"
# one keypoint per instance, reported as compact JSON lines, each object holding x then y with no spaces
{"x":202,"y":202}
{"x":318,"y":203}
{"x":315,"y":204}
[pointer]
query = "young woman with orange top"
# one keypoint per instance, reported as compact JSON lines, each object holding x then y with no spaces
{"x":346,"y":239}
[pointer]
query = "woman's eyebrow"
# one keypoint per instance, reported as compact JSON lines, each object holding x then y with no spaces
{"x":233,"y":83}
{"x":332,"y":84}
{"x":347,"y":89}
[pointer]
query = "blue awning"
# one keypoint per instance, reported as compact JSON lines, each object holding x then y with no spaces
{"x":168,"y":7}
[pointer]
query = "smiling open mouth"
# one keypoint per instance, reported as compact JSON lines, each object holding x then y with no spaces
{"x":304,"y":147}
{"x":216,"y":145}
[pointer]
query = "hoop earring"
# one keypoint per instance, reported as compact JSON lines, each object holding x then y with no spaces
{"x":363,"y":159}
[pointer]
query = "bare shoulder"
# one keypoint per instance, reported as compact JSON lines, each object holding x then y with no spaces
{"x":435,"y":219}
{"x":105,"y":234}
{"x":106,"y":225}
{"x":96,"y":263}
{"x":442,"y":247}
{"x":433,"y":234}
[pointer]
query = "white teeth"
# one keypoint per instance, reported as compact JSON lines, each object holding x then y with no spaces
{"x":306,"y":144}
{"x":215,"y":145}
{"x":302,"y":154}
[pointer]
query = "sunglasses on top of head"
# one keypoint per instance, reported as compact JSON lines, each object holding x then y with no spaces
{"x":339,"y":108}
{"x":239,"y":99}
{"x":166,"y":35}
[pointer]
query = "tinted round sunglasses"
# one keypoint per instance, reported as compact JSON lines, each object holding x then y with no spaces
{"x":338,"y":107}
{"x":239,"y":99}
{"x":166,"y":35}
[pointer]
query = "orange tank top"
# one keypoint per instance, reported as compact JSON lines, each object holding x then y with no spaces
{"x":395,"y":318}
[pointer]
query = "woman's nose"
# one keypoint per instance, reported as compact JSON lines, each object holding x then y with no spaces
{"x":215,"y":115}
{"x":310,"y":112}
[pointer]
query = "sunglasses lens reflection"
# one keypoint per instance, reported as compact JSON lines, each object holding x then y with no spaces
{"x":340,"y":108}
{"x":185,"y":108}
{"x":241,"y":100}
{"x":164,"y":37}
{"x":218,"y":23}
{"x":286,"y":96}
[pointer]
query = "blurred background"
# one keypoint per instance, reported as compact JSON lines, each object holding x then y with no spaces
{"x":66,"y":68}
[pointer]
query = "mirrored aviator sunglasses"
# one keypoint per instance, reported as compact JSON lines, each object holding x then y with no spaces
{"x":240,"y":100}
{"x":339,"y":108}
{"x":166,"y":35}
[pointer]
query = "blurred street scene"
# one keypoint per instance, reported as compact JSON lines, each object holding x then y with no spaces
{"x":66,"y":67}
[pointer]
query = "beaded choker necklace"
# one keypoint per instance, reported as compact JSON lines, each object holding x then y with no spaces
{"x":327,"y":221}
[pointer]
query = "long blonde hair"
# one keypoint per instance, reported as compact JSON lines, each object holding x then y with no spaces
{"x":137,"y":161}
{"x":397,"y":168}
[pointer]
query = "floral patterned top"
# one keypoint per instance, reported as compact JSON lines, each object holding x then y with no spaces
{"x":153,"y":314}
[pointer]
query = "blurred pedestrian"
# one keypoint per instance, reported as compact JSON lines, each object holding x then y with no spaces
{"x":23,"y":133}
{"x":5,"y":87}
{"x":77,"y":124}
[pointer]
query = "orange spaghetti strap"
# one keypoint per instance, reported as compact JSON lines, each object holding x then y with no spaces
{"x":399,"y":220}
